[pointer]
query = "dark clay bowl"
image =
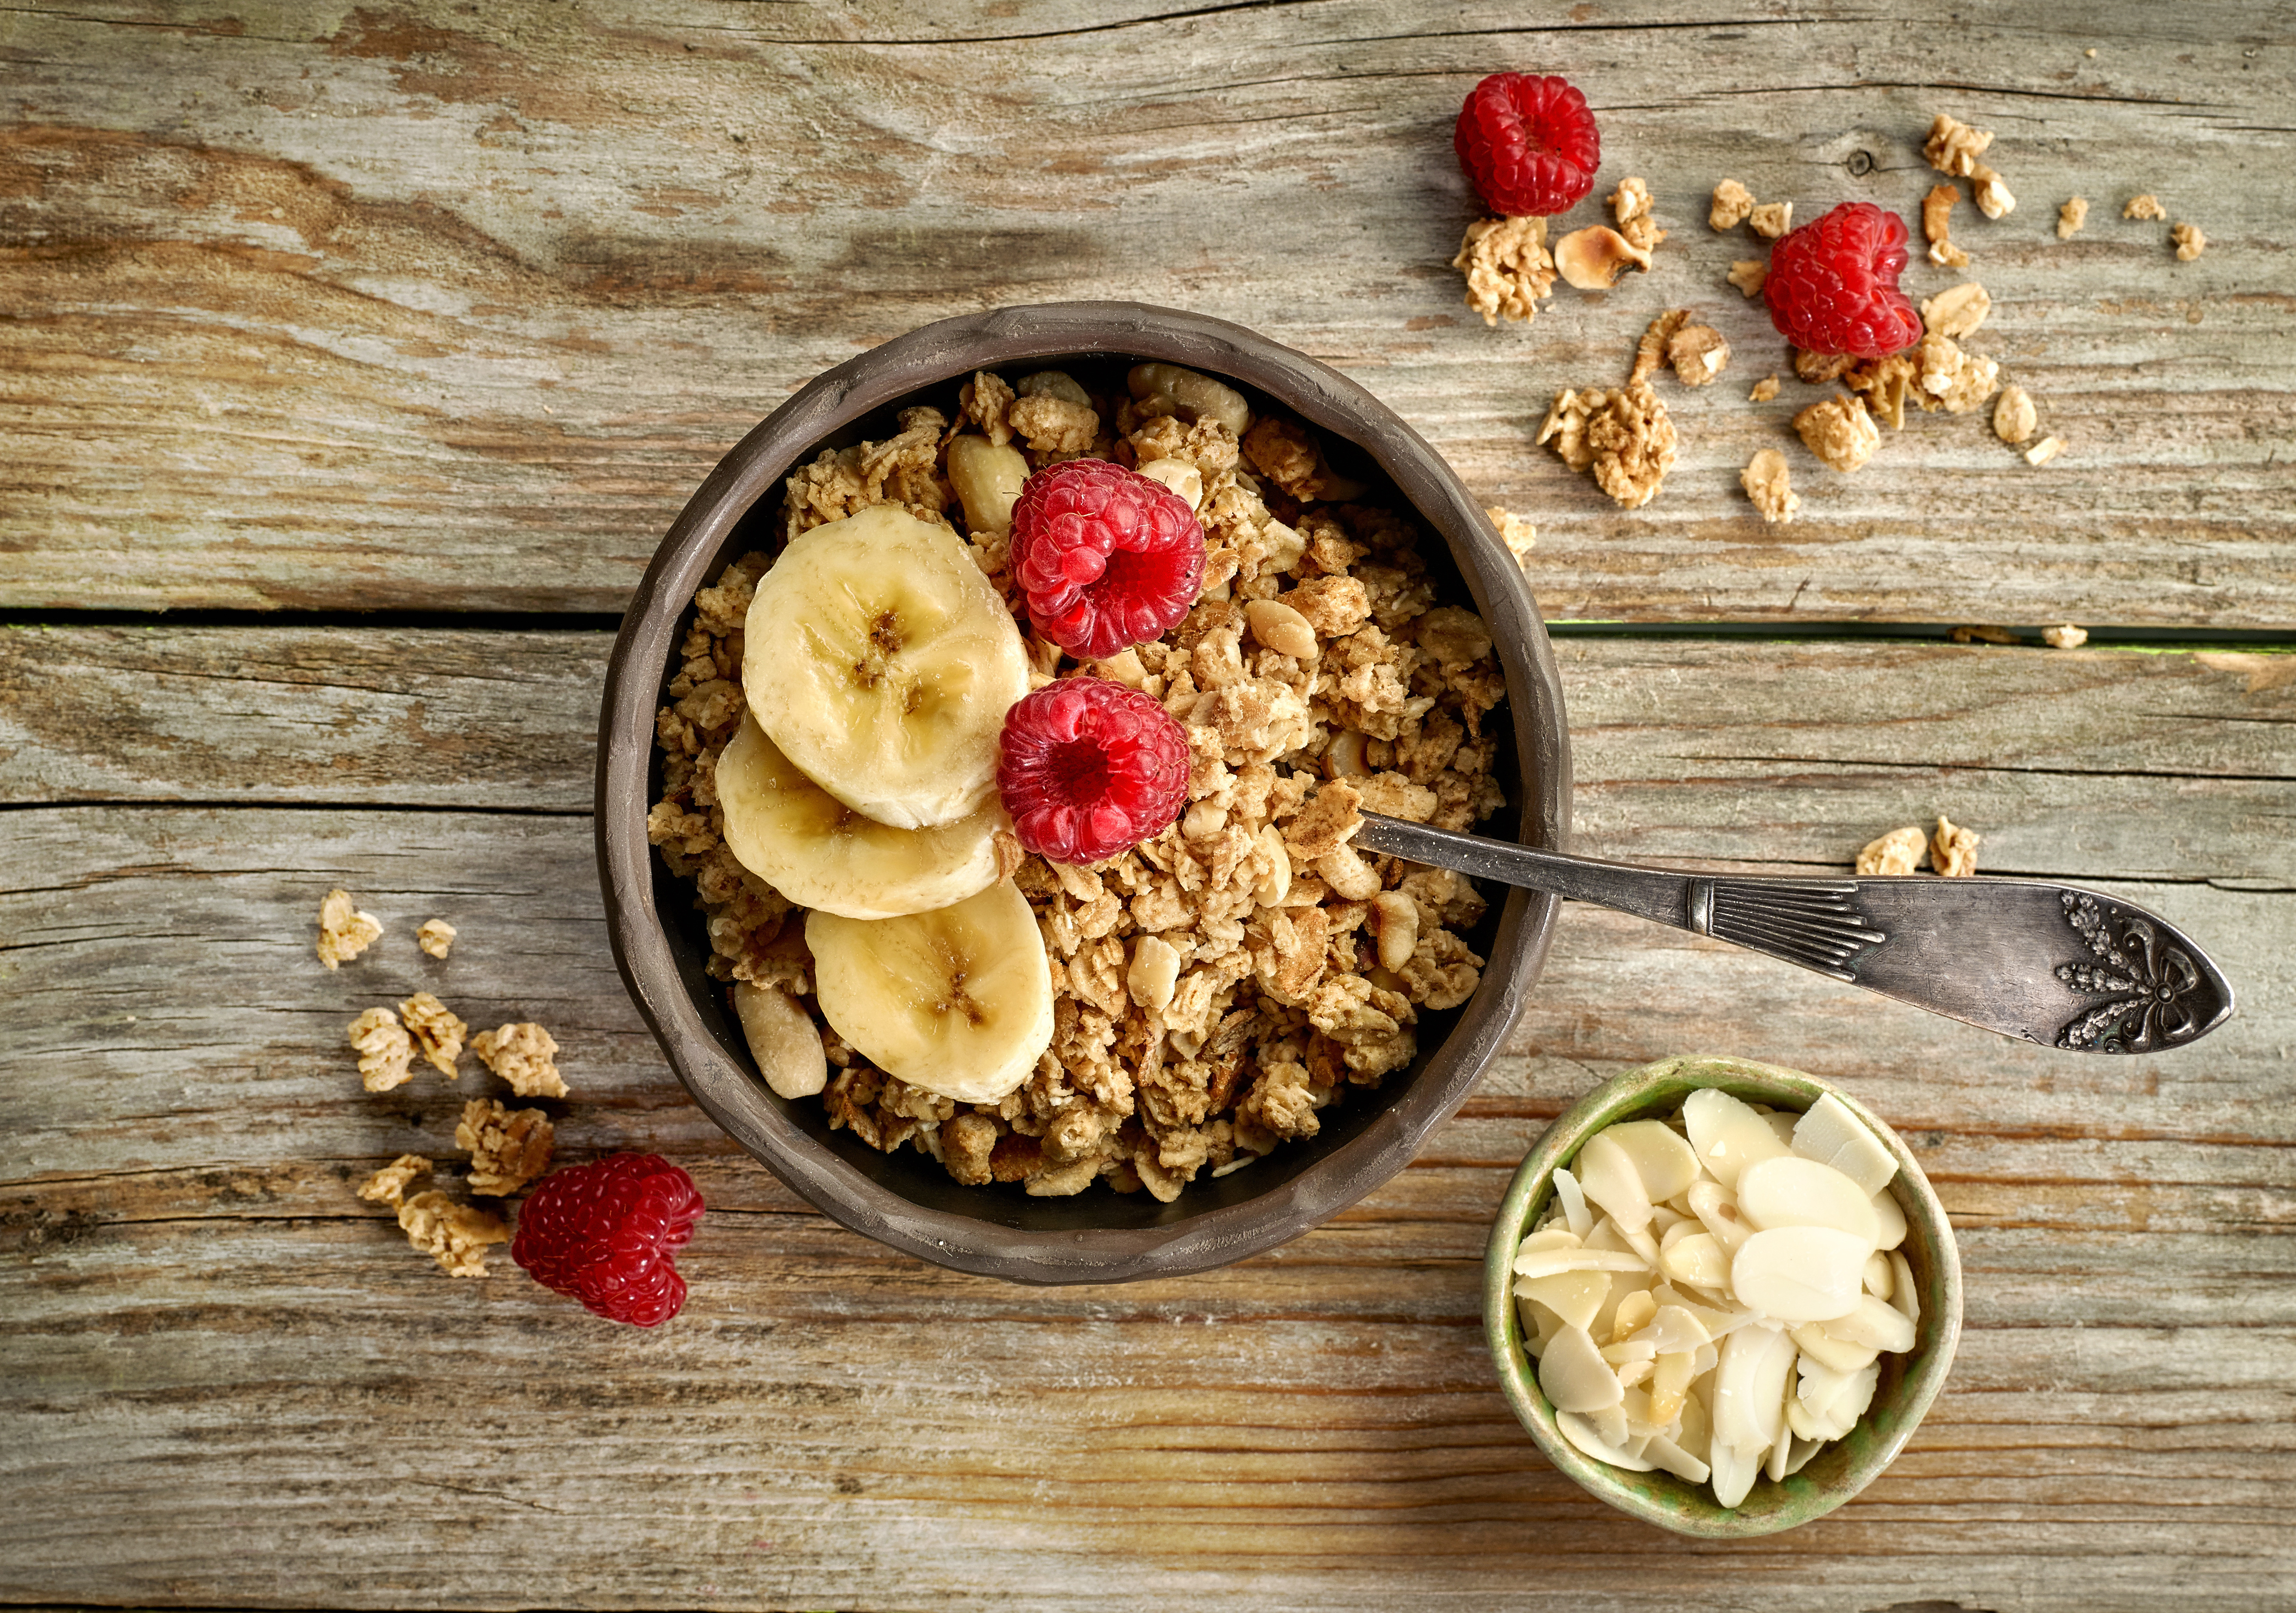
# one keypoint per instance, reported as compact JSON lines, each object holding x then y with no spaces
{"x":906,"y":1199}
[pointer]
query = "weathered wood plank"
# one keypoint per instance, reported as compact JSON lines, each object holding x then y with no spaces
{"x":1798,"y":752}
{"x":192,"y":1292}
{"x":419,"y":307}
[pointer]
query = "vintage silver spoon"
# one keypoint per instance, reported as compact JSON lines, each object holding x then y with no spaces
{"x":2044,"y":962}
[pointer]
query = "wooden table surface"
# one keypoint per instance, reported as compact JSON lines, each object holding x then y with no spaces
{"x":438,"y":312}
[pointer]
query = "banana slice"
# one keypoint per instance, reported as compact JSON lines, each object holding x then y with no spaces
{"x":958,"y":1000}
{"x":881,"y":661}
{"x":820,"y":853}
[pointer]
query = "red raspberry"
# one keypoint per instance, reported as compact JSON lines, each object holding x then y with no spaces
{"x":1107,"y":558}
{"x":1528,"y":143}
{"x":1089,"y":768}
{"x":1833,"y":284}
{"x":604,"y":1233}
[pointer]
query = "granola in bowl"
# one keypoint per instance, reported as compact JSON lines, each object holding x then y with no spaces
{"x":1221,"y":983}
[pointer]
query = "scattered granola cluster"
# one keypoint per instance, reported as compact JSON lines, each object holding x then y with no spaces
{"x":1222,"y":983}
{"x":509,"y":1149}
{"x":1951,"y":850}
{"x":1508,"y":267}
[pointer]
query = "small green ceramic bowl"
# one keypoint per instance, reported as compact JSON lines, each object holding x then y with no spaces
{"x":1909,"y":1383}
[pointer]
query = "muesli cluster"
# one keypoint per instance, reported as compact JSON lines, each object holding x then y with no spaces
{"x":1217,"y":985}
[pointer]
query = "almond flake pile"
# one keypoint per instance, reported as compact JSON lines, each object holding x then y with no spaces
{"x":1218,"y":986}
{"x":1508,"y":267}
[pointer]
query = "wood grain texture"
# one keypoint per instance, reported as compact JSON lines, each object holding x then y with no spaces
{"x":205,"y":1337}
{"x":416,"y":306}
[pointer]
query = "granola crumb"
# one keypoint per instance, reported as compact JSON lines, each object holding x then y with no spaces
{"x":1650,"y":352}
{"x":1821,"y":369}
{"x":1898,"y":852}
{"x":2070,"y":215}
{"x":1286,"y":454}
{"x":1750,"y":276}
{"x":1764,"y":389}
{"x":1952,"y":147}
{"x":1624,"y":439}
{"x":1698,"y":354}
{"x":1991,"y":192}
{"x":522,"y":1054}
{"x":1771,"y":219}
{"x":344,"y":932}
{"x":388,"y":1185}
{"x":2147,"y":205}
{"x":1508,"y":267}
{"x":386,"y":1052}
{"x":1733,"y":202}
{"x":508,"y":1146}
{"x":437,"y":938}
{"x":1769,"y":484}
{"x":1631,"y":204}
{"x":2067,"y":637}
{"x":1958,"y":380}
{"x":2014,"y":417}
{"x":1839,"y":431}
{"x":1958,"y":310}
{"x":1936,"y":226}
{"x":1952,"y":849}
{"x":1976,"y":634}
{"x":1516,"y":532}
{"x":437,"y":1032}
{"x":455,"y":1235}
{"x":2042,"y":452}
{"x":2190,"y":243}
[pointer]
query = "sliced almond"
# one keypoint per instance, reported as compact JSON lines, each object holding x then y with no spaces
{"x":1801,"y":1273}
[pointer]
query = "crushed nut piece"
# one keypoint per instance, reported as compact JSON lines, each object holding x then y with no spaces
{"x":1952,"y":849}
{"x":1650,"y":352}
{"x":1958,"y":310}
{"x":2067,"y":637}
{"x":1937,"y":225}
{"x":1953,"y":146}
{"x":1750,"y":276}
{"x":2190,"y":243}
{"x":435,"y":937}
{"x":508,"y":1146}
{"x":1898,"y":852}
{"x":1516,"y":532}
{"x":1764,"y":389}
{"x":1507,"y":266}
{"x":1732,"y":202}
{"x":2070,"y":215}
{"x":2147,"y":205}
{"x":1623,"y":438}
{"x":1631,"y":203}
{"x":388,"y":1185}
{"x":1769,"y":484}
{"x":386,"y":1052}
{"x":2042,"y":452}
{"x":522,"y":1054}
{"x":344,"y":932}
{"x":1771,"y":219}
{"x":455,"y":1235}
{"x":1697,"y":353}
{"x":1819,"y":369}
{"x":2014,"y":417}
{"x":1593,"y":258}
{"x":438,"y":1033}
{"x":1839,"y":431}
{"x":1991,"y":192}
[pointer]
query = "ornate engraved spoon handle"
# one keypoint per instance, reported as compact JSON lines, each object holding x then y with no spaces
{"x":2049,"y":964}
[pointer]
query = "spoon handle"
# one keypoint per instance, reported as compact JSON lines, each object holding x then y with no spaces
{"x":2042,"y":962}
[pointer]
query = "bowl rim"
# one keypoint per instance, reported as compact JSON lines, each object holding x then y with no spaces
{"x":743,"y":1107}
{"x":1629,"y":1095}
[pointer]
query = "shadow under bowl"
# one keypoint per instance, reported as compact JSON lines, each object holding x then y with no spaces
{"x":906,"y":1199}
{"x":1908,"y":1382}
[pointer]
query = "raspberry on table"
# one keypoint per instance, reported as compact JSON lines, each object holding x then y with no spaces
{"x":1833,"y":284}
{"x":605,"y":1233}
{"x":1088,"y":768}
{"x":1106,"y":557}
{"x":1528,"y":143}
